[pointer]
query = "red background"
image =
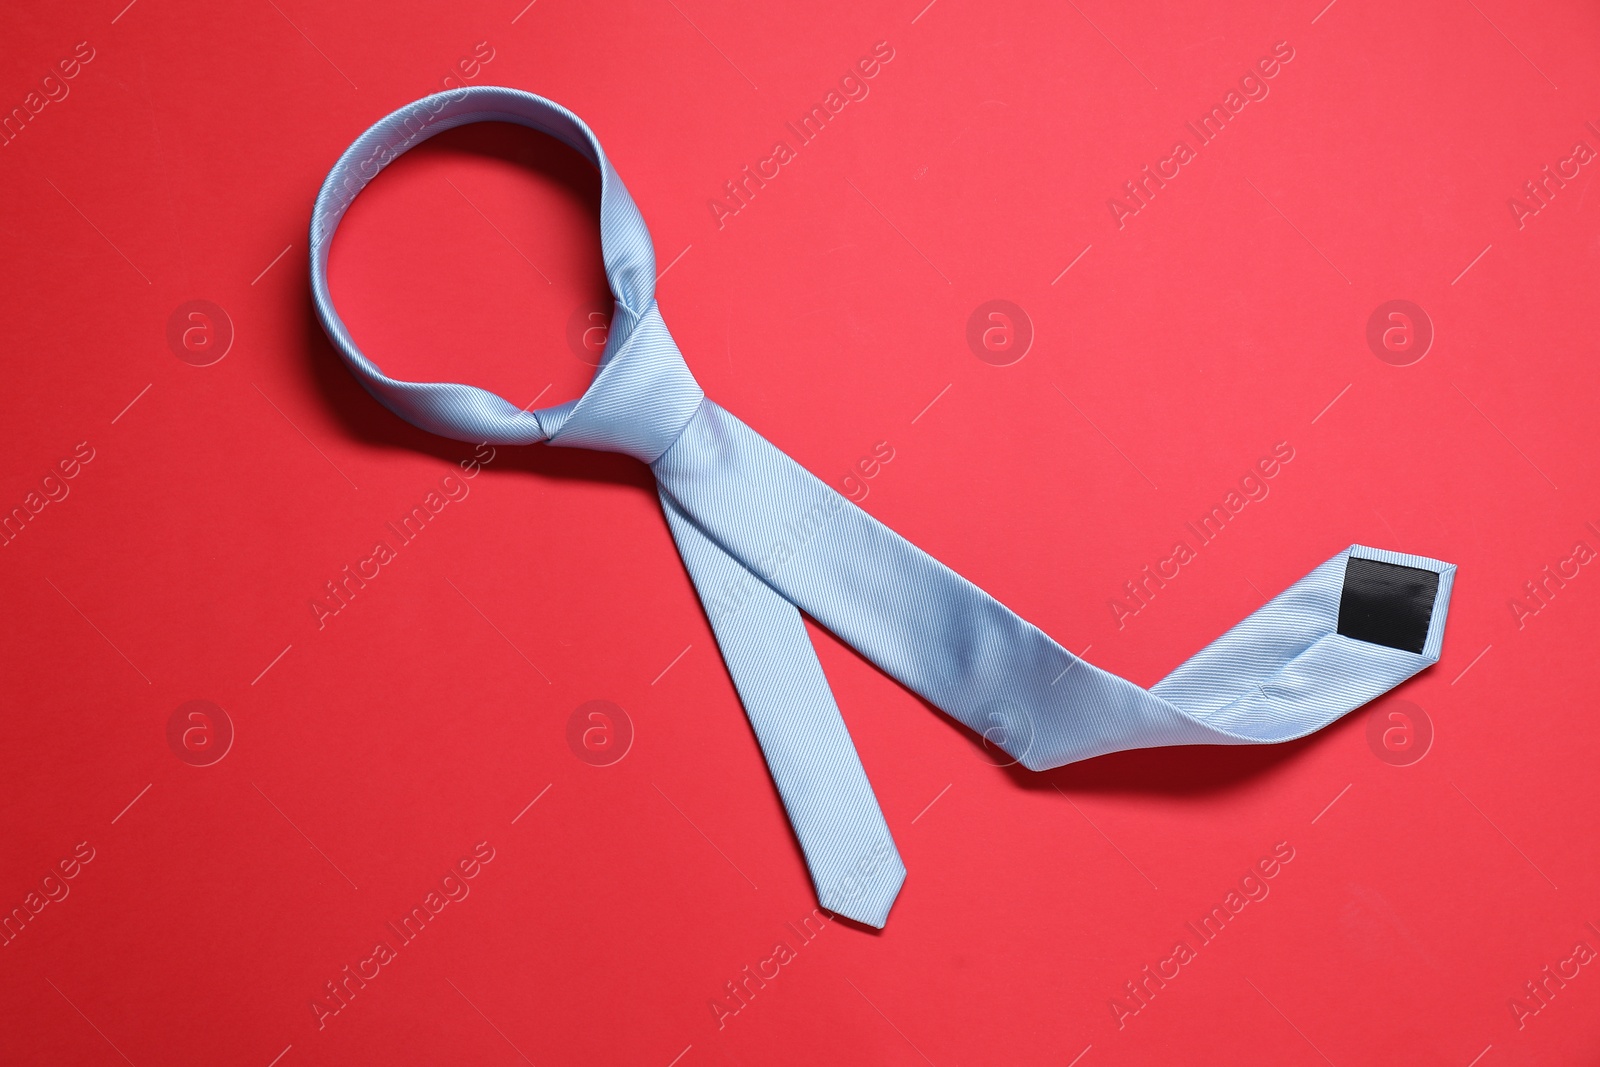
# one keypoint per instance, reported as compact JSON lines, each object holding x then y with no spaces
{"x":370,"y":755}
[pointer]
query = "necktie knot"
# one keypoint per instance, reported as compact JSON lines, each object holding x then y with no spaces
{"x":641,"y":398}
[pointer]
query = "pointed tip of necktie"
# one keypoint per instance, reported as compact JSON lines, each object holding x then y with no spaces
{"x":868,"y":901}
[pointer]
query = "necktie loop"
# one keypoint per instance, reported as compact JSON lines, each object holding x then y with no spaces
{"x":642,"y":395}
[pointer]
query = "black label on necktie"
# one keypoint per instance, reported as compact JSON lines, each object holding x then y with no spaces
{"x":1387,"y":604}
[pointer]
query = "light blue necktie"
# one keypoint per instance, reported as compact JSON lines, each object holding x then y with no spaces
{"x":764,"y":540}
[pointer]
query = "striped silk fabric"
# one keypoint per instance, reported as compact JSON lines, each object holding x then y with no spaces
{"x":764,"y":540}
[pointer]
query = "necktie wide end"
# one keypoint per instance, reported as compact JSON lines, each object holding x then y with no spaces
{"x":1350,"y":631}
